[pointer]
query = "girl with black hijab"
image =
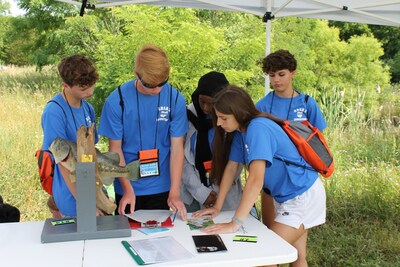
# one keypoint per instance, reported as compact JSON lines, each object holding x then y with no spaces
{"x":199,"y":189}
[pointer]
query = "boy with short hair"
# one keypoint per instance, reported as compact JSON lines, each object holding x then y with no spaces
{"x":287,"y":103}
{"x":62,"y":117}
{"x":152,"y":121}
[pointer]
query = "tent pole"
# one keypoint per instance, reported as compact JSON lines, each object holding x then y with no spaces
{"x":267,"y":52}
{"x":267,"y":44}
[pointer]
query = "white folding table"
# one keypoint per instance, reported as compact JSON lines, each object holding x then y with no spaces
{"x":20,"y":245}
{"x":270,"y":248}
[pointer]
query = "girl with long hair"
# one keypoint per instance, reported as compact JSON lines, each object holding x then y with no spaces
{"x":257,"y":141}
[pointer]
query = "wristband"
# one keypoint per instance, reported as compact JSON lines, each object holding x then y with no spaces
{"x":238,"y":222}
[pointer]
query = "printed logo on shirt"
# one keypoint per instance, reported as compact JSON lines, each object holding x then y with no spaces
{"x":163,"y":112}
{"x":299,"y":112}
{"x":88,"y":120}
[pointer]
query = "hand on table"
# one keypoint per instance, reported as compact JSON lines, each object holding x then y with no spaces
{"x":210,"y":211}
{"x":222,"y":228}
{"x":176,"y":204}
{"x":210,"y":201}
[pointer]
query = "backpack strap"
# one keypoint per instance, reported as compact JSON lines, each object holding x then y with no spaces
{"x":121,"y":102}
{"x":306,"y":96}
{"x":170,"y":101}
{"x":288,"y":162}
{"x":58,"y":104}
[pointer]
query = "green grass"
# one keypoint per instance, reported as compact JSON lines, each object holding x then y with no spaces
{"x":363,"y":195}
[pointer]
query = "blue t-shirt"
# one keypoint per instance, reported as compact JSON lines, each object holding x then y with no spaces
{"x":147,"y":123}
{"x":264,"y":139}
{"x":296,"y":109}
{"x":63,"y":122}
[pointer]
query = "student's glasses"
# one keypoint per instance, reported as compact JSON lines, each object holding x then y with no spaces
{"x":151,"y":86}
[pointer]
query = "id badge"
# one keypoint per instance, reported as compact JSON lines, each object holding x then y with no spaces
{"x":207,"y":166}
{"x":149,"y":163}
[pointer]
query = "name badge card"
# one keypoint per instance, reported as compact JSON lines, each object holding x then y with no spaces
{"x":149,"y":163}
{"x":207,"y":166}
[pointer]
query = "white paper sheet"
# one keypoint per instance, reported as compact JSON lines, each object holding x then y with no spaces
{"x":144,"y":216}
{"x":160,"y":249}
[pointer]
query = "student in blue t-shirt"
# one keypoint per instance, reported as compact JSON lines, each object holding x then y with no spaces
{"x":254,"y":139}
{"x":62,"y":117}
{"x":148,"y":125}
{"x":287,"y":103}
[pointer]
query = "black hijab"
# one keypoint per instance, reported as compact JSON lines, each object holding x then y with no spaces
{"x":209,"y":84}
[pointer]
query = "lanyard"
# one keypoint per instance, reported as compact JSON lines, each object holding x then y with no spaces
{"x":290,"y":104}
{"x":138,"y":110}
{"x":72,"y":113}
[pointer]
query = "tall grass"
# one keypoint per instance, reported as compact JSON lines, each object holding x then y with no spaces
{"x":23,"y":93}
{"x":363,"y":209}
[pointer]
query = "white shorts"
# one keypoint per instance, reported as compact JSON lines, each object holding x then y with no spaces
{"x":308,"y":208}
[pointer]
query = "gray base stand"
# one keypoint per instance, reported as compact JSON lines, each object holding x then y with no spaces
{"x":86,"y":225}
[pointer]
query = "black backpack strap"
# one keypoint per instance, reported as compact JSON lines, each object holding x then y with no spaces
{"x":121,"y":102}
{"x":288,"y":162}
{"x":58,"y":104}
{"x":306,"y":98}
{"x":170,"y":100}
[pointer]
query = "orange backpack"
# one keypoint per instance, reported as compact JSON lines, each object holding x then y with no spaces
{"x":46,"y":164}
{"x":46,"y":169}
{"x":311,"y":145}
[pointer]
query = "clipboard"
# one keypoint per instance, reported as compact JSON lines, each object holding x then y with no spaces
{"x":134,"y":224}
{"x":156,"y":250}
{"x":133,"y":253}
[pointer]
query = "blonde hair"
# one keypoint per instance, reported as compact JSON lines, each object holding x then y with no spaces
{"x":152,"y":64}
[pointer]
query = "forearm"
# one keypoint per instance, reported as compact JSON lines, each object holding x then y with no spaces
{"x":252,"y":189}
{"x":176,"y":165}
{"x":249,"y":197}
{"x":116,"y":146}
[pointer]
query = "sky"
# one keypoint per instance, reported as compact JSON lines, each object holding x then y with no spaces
{"x":15,"y":11}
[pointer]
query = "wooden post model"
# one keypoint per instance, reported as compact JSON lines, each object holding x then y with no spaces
{"x":86,"y":225}
{"x":85,"y":184}
{"x":86,"y":152}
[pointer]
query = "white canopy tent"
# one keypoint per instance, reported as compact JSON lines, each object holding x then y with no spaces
{"x":379,"y":12}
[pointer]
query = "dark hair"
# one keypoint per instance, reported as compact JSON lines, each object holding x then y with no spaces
{"x":279,"y":60}
{"x":209,"y":84}
{"x":9,"y":213}
{"x":77,"y":70}
{"x":232,"y":100}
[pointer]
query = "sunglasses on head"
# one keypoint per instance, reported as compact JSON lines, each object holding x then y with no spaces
{"x":151,"y":86}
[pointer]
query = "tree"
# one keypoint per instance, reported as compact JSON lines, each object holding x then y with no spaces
{"x":387,"y":35}
{"x":326,"y":63}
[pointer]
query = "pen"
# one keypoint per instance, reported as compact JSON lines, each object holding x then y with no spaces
{"x":173,"y":220}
